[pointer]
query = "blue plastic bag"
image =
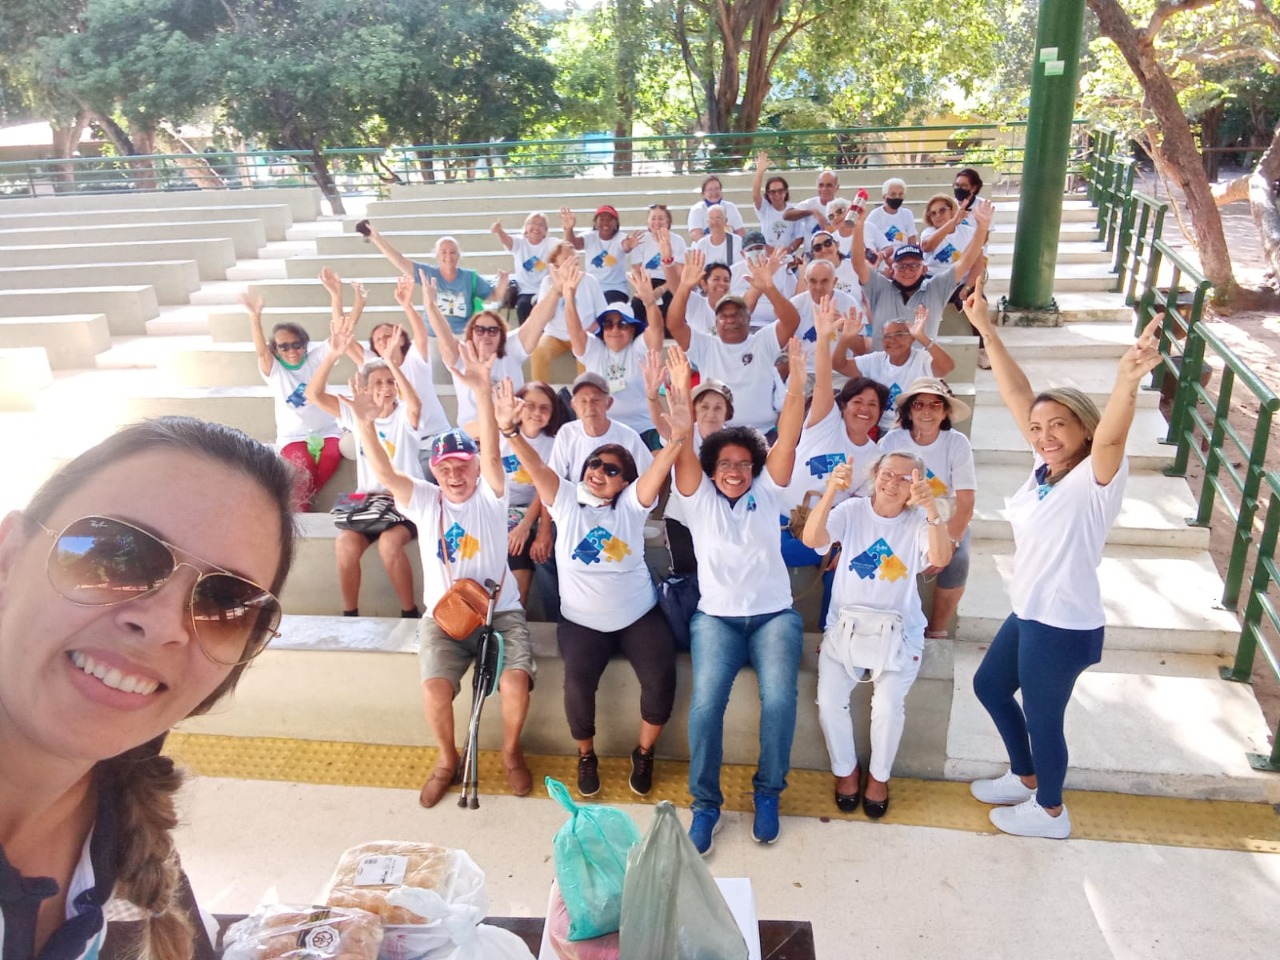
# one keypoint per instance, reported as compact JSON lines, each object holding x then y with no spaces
{"x":591,"y":862}
{"x":678,"y":597}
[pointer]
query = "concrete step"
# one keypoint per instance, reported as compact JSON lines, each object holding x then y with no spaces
{"x":1069,"y":251}
{"x":997,"y":440}
{"x":1098,"y":340}
{"x":1067,"y":278}
{"x":190,"y":319}
{"x":303,"y":202}
{"x":1095,"y":377}
{"x":1154,"y":512}
{"x":127,"y":308}
{"x":247,"y":235}
{"x":250,"y":270}
{"x":1146,"y":723}
{"x":1073,"y":211}
{"x":69,"y":342}
{"x":213,"y":255}
{"x":173,"y":280}
{"x":276,"y":219}
{"x":1102,"y":306}
{"x":1162,"y":599}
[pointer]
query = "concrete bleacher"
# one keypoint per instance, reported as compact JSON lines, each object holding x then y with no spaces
{"x":247,"y":236}
{"x":331,"y":679}
{"x":276,"y":219}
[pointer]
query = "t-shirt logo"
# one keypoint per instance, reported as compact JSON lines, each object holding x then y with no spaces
{"x":533,"y":264}
{"x":1044,"y":487}
{"x":935,"y":484}
{"x":452,"y":303}
{"x":751,"y":502}
{"x":822,"y":465}
{"x":893,"y":234}
{"x":747,"y":358}
{"x":512,"y":468}
{"x":459,"y":543}
{"x":878,"y":560}
{"x":603,"y":259}
{"x":778,"y":228}
{"x":894,"y":392}
{"x":387,"y":445}
{"x":653,"y":262}
{"x":945,"y":255}
{"x":600,"y":543}
{"x":299,"y":396}
{"x":811,"y":335}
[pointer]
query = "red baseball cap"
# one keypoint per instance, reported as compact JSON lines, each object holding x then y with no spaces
{"x":605,"y":208}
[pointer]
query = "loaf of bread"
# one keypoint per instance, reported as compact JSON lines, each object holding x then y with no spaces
{"x":367,"y":873}
{"x":281,"y":932}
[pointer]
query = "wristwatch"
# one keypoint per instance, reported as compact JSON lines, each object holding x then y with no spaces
{"x":934,"y":521}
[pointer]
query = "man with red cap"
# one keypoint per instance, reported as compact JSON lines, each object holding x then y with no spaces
{"x":602,"y":245}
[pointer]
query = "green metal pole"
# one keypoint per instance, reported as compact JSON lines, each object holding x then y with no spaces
{"x":1054,"y":76}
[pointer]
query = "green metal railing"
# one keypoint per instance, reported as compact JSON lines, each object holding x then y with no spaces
{"x":353,"y":169}
{"x":1260,"y":605}
{"x":1137,"y":261}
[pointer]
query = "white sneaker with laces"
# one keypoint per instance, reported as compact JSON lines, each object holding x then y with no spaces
{"x":1006,"y":789}
{"x":1029,"y":819}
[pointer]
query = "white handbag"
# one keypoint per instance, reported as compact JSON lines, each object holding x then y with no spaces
{"x":867,"y":639}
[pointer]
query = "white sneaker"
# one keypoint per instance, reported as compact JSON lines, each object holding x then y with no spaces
{"x":1006,"y":789}
{"x":1029,"y":819}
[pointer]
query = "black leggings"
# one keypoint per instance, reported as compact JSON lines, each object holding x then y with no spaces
{"x":680,"y":546}
{"x":647,"y":644}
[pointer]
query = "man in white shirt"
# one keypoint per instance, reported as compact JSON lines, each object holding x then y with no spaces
{"x":575,"y":441}
{"x":712,"y":196}
{"x":816,"y":207}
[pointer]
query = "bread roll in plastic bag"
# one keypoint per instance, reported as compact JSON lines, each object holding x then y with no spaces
{"x":366,"y":873}
{"x":304,"y":933}
{"x":671,"y":906}
{"x":456,"y":934}
{"x":591,"y":858}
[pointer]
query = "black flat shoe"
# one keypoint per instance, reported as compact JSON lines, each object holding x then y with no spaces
{"x":875,"y":809}
{"x":847,"y":802}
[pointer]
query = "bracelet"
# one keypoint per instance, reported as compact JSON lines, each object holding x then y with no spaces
{"x":934,"y":521}
{"x":512,"y":434}
{"x":652,"y":399}
{"x":668,"y":261}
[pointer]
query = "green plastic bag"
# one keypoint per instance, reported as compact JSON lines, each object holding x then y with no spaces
{"x":671,"y":906}
{"x":591,"y":862}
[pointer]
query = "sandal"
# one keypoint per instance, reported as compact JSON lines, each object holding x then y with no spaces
{"x":437,"y":785}
{"x":519,"y":779}
{"x":936,"y":634}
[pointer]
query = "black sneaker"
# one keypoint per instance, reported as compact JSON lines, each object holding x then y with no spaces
{"x":641,"y":772}
{"x":588,"y":774}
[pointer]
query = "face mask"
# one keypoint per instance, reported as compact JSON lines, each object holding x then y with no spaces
{"x":962,"y":194}
{"x":893,"y":203}
{"x":290,"y":366}
{"x":588,"y":499}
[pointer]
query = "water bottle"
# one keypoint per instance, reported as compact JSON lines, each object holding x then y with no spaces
{"x":859,"y":205}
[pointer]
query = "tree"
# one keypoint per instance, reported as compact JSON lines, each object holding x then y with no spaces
{"x":1158,"y":57}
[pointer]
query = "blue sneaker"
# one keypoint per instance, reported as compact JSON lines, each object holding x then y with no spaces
{"x":765,"y":826}
{"x":706,"y":824}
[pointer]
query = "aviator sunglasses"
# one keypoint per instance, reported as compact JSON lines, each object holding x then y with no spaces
{"x":100,"y":562}
{"x":610,"y":469}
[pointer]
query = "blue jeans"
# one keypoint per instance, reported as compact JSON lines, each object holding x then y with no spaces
{"x":1044,"y":662}
{"x":771,"y":643}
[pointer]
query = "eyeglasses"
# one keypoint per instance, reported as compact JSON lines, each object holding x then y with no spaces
{"x":610,"y":469}
{"x":740,"y":466}
{"x":928,"y":405}
{"x":484,"y":331}
{"x":291,"y":345}
{"x":824,"y":245}
{"x":888,"y":476}
{"x":612,"y":324}
{"x":904,"y":335}
{"x":100,"y":562}
{"x":776,"y":190}
{"x":908,"y":265}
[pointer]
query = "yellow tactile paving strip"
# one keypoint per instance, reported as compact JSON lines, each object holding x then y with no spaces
{"x":1207,"y":824}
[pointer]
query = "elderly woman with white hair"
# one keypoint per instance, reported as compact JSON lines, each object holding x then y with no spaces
{"x":874,"y":628}
{"x":459,"y":292}
{"x":890,"y":225}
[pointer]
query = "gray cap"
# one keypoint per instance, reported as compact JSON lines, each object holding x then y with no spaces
{"x":589,"y":379}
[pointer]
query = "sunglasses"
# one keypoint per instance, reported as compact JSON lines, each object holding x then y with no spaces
{"x":610,"y":469}
{"x":291,"y":345}
{"x":100,"y":562}
{"x":613,"y":324}
{"x":928,"y":404}
{"x":824,"y":245}
{"x":483,"y":331}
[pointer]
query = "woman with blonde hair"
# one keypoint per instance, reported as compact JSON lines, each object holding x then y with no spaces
{"x":135,"y":587}
{"x":1060,"y":518}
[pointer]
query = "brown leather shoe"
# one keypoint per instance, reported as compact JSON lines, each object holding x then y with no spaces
{"x":518,"y":777}
{"x":437,"y":785}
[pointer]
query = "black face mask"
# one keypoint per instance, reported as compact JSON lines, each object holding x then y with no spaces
{"x":893,"y":203}
{"x":962,"y":194}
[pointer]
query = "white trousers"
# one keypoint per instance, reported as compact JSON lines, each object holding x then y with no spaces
{"x":888,"y":713}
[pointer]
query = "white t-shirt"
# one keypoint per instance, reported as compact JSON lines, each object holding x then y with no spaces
{"x":877,"y":367}
{"x":604,"y":581}
{"x":880,"y":559}
{"x":647,"y":254}
{"x":699,"y":314}
{"x":777,"y":231}
{"x":605,"y":260}
{"x":475,"y":534}
{"x":884,"y":229}
{"x":809,"y":224}
{"x":530,"y":260}
{"x":1058,"y":535}
{"x":763,"y":313}
{"x":399,"y":438}
{"x":573,"y":447}
{"x":948,"y":460}
{"x":624,"y":372}
{"x":296,"y":419}
{"x":520,"y":489}
{"x":747,"y":368}
{"x":823,"y":447}
{"x":806,"y":331}
{"x":512,"y":365}
{"x":432,"y":419}
{"x":948,"y":251}
{"x":698,"y":215}
{"x":727,"y":252}
{"x":739,"y":549}
{"x":847,"y":281}
{"x":589,"y":300}
{"x":674,"y":508}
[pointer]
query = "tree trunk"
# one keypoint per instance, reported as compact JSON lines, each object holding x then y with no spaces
{"x":324,"y":180}
{"x":195,"y":166}
{"x":1264,"y":202}
{"x":66,"y":142}
{"x":1176,"y":145}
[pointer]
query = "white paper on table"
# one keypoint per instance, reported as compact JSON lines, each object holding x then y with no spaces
{"x":737,"y":894}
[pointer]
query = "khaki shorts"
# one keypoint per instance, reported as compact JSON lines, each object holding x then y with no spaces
{"x":442,"y":657}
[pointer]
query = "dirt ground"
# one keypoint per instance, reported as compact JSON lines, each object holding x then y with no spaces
{"x":1255,"y":338}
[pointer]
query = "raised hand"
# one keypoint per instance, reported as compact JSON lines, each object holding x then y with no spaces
{"x":976,"y":309}
{"x":655,"y":373}
{"x":841,"y":477}
{"x":694,"y":262}
{"x":641,"y":285}
{"x":680,"y":415}
{"x":342,"y":331}
{"x":663,"y":236}
{"x":567,"y":219}
{"x":476,"y":374}
{"x":983,"y":211}
{"x":332,"y":282}
{"x":762,"y":160}
{"x":361,"y":403}
{"x":633,"y":240}
{"x":917,"y":328}
{"x":796,"y":364}
{"x":508,"y":409}
{"x":570,"y":275}
{"x":825,"y":320}
{"x":391,"y":352}
{"x":921,"y":491}
{"x":252,"y":302}
{"x":681,"y":373}
{"x":496,"y":228}
{"x":360,"y":296}
{"x":1144,"y":355}
{"x":760,"y":272}
{"x":404,"y":290}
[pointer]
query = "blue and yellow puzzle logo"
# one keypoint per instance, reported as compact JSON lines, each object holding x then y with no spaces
{"x":603,"y":259}
{"x":512,"y":468}
{"x":894,"y":234}
{"x":878,"y":560}
{"x":822,"y":465}
{"x":936,"y":485}
{"x":460,"y":544}
{"x":600,"y":543}
{"x":534,"y":264}
{"x":299,"y":396}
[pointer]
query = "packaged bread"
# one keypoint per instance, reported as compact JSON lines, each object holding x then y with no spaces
{"x":283,"y":932}
{"x":367,"y":873}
